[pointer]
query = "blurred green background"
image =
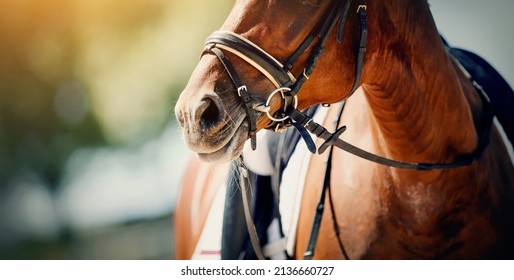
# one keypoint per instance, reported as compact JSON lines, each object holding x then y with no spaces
{"x":90,"y":154}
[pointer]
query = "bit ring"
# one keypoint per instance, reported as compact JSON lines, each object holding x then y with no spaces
{"x":281,"y":90}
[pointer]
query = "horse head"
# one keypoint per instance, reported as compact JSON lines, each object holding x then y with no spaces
{"x":278,"y":38}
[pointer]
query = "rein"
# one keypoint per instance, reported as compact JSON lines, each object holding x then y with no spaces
{"x":289,"y":86}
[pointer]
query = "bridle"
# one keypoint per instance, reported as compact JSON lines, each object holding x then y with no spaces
{"x":289,"y":86}
{"x":280,"y":73}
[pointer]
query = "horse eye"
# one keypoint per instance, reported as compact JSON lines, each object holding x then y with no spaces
{"x":222,"y":86}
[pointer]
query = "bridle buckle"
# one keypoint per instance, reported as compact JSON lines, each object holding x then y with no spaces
{"x":240,"y":89}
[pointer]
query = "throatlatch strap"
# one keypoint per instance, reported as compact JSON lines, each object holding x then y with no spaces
{"x":362,"y":47}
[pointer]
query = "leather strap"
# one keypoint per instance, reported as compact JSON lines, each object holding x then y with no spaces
{"x":319,"y":49}
{"x":280,"y":76}
{"x":335,"y":224}
{"x":340,"y":11}
{"x":243,"y":93}
{"x":252,"y":54}
{"x":252,"y":232}
{"x":316,"y":223}
{"x":332,"y":139}
{"x":362,"y":46}
{"x":270,"y":67}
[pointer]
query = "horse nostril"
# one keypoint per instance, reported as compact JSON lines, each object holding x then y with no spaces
{"x":209,"y":113}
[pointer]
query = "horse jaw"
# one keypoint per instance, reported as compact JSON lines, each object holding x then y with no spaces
{"x":231,"y":150}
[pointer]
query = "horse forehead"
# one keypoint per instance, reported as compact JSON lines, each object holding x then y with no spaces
{"x":280,"y":9}
{"x":275,"y":25}
{"x":315,"y":3}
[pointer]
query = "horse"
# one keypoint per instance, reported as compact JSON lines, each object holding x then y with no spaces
{"x":427,"y":174}
{"x":203,"y":181}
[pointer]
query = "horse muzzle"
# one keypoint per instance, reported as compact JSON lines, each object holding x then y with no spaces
{"x":214,"y":130}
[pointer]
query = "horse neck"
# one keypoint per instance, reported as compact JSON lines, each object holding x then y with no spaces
{"x":414,"y":92}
